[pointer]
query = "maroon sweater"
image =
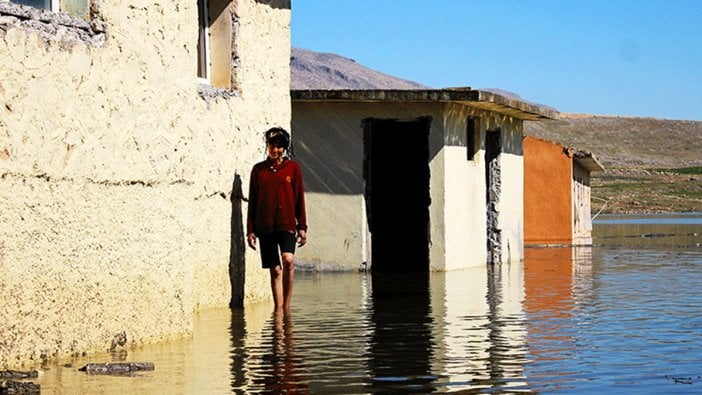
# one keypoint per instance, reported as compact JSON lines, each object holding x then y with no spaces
{"x":276,"y":198}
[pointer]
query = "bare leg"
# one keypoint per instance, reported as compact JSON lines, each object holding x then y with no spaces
{"x":288,"y":278}
{"x":277,"y":285}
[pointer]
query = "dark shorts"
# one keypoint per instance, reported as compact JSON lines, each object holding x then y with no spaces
{"x":274,"y":244}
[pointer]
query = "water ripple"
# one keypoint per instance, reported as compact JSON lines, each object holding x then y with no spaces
{"x":612,"y":320}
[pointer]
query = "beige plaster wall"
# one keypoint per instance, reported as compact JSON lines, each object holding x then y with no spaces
{"x":511,"y":207}
{"x":116,"y":175}
{"x":329,"y":249}
{"x":439,"y":189}
{"x":464,"y":213}
{"x":582,"y":222}
{"x":75,"y":271}
{"x":328,"y":142}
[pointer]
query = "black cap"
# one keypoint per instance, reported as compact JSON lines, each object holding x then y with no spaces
{"x":278,"y":137}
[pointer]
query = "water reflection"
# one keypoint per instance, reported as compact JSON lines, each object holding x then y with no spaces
{"x":548,"y":282}
{"x":611,"y":318}
{"x":239,"y":355}
{"x":263,"y":352}
{"x":282,"y":370}
{"x":480,"y":328}
{"x":678,"y":230}
{"x":401,"y":344}
{"x":556,"y":283}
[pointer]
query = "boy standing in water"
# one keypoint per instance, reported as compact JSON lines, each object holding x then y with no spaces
{"x":276,"y":214}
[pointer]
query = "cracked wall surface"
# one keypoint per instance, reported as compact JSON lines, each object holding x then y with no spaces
{"x":116,"y":171}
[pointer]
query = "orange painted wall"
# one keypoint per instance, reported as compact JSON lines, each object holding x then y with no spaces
{"x":548,"y":208}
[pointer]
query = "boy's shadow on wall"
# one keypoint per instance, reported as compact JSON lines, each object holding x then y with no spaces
{"x":237,"y":251}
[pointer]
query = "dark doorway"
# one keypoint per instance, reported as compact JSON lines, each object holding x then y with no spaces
{"x":493,"y":180}
{"x":396,"y":174}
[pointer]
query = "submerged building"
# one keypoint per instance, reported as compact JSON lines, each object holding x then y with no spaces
{"x":412,"y":180}
{"x":127,"y":129}
{"x":557,"y":193}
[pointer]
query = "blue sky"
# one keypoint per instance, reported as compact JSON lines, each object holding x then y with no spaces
{"x":616,"y":57}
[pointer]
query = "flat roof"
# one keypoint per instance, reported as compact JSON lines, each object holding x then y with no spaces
{"x":584,"y":158}
{"x":475,"y":98}
{"x":587,"y":160}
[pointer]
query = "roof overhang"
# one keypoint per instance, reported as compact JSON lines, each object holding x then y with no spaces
{"x":475,"y":98}
{"x":588,"y":161}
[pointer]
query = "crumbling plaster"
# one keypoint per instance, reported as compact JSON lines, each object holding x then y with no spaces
{"x":116,"y":173}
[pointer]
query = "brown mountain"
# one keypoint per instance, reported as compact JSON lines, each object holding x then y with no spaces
{"x":627,"y":141}
{"x":652,"y":165}
{"x":316,"y":70}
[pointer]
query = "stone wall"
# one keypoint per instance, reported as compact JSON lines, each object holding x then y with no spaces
{"x":117,"y":169}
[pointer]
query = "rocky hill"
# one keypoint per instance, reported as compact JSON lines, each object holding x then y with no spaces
{"x":627,"y":141}
{"x":652,"y":165}
{"x":316,"y":70}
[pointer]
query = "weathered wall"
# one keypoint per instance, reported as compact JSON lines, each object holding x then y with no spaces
{"x":547,"y":193}
{"x":116,"y":172}
{"x":331,"y":156}
{"x":230,"y":133}
{"x":329,"y":144}
{"x":465,"y":208}
{"x":464,"y":212}
{"x":582,"y":222}
{"x":511,"y":207}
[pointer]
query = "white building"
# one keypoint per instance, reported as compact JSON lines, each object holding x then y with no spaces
{"x":411,"y":180}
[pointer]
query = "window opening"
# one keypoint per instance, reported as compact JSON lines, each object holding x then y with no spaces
{"x":76,"y":8}
{"x":203,"y":41}
{"x":49,"y":5}
{"x":215,"y":47}
{"x":472,"y":137}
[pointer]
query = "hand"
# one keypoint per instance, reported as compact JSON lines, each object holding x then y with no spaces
{"x":301,"y":237}
{"x":251,"y":240}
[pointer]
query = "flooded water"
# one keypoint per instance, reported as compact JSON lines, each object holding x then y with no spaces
{"x":622,"y":316}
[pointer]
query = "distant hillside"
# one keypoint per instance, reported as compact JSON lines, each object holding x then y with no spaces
{"x":315,"y":70}
{"x":318,"y":70}
{"x":652,"y":165}
{"x":626,"y":141}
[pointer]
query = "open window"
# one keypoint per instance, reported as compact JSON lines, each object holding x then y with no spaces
{"x":472,"y":137}
{"x":76,"y":8}
{"x":215,"y":48}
